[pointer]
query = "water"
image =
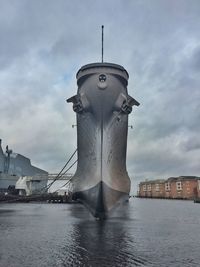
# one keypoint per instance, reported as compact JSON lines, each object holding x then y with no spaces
{"x":147,"y":233}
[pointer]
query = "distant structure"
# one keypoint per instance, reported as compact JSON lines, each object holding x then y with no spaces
{"x":182,"y":187}
{"x":14,"y":165}
{"x":29,"y":185}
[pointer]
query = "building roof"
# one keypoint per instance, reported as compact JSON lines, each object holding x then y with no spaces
{"x":157,"y":181}
{"x":183,"y":178}
{"x":179,"y":178}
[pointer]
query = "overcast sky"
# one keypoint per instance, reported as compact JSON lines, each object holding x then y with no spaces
{"x":45,"y":42}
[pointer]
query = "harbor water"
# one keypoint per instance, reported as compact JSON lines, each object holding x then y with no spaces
{"x":146,"y":232}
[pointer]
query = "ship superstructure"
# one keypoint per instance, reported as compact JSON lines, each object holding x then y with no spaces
{"x":14,"y":165}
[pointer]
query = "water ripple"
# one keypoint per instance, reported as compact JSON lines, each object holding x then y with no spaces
{"x":152,"y":233}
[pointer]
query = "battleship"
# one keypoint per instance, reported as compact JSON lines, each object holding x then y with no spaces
{"x":102,"y":106}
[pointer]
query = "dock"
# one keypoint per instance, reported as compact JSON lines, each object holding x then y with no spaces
{"x":48,"y":198}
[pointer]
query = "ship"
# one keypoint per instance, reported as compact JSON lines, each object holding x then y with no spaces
{"x":13,"y":166}
{"x":102,"y":105}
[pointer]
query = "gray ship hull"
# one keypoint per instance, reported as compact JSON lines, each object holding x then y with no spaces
{"x":102,"y":105}
{"x":100,"y":199}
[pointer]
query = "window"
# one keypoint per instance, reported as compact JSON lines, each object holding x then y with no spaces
{"x":178,"y":186}
{"x":149,"y":187}
{"x":167,"y":186}
{"x":157,"y":187}
{"x":144,"y":187}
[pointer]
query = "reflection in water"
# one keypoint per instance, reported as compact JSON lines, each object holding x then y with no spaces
{"x":157,"y":233}
{"x":102,"y":243}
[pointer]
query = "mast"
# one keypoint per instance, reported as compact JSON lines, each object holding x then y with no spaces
{"x":102,"y":35}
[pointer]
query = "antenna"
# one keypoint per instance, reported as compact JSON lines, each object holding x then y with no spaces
{"x":102,"y":27}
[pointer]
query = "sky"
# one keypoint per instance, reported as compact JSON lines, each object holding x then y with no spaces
{"x":45,"y":42}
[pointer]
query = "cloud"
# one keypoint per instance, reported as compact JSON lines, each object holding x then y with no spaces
{"x":44,"y":43}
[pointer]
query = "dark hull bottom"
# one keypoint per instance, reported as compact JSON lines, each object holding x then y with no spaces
{"x":100,"y":199}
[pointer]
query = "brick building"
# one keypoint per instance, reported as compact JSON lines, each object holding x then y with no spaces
{"x":182,"y":187}
{"x":198,"y":189}
{"x":153,"y":188}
